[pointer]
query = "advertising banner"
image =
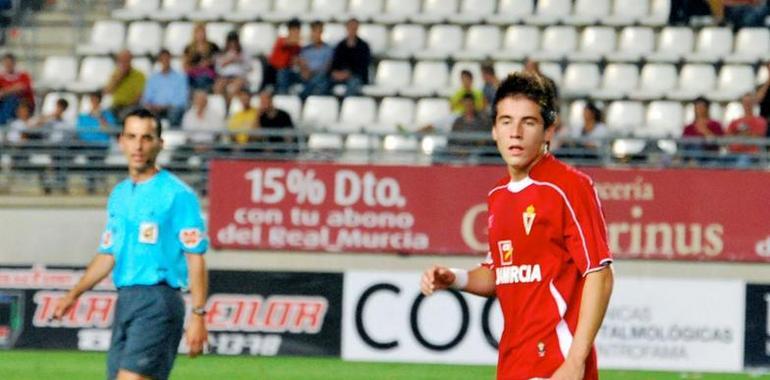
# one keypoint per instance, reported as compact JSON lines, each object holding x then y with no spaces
{"x":757,"y":353}
{"x":709,"y":215}
{"x":249,"y":313}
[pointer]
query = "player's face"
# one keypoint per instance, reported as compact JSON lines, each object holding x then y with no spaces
{"x":520,"y":134}
{"x":140,"y":143}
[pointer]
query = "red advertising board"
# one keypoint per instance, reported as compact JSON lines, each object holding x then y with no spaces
{"x":653,"y":214}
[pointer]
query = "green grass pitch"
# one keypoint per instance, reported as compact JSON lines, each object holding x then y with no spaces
{"x":25,"y":365}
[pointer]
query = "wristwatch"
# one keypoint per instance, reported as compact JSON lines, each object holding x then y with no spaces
{"x":199,"y":311}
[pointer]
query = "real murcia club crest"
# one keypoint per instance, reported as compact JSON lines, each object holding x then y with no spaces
{"x":529,"y":218}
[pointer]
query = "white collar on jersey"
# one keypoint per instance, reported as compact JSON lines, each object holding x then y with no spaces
{"x":516,"y":186}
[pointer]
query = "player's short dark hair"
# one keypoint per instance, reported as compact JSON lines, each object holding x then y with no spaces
{"x":144,"y":113}
{"x":534,"y":87}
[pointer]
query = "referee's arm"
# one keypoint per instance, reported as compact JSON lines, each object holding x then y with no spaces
{"x":199,"y":283}
{"x":99,"y":267}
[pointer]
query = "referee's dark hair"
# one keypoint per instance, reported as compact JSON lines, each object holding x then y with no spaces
{"x":534,"y":87}
{"x":144,"y":113}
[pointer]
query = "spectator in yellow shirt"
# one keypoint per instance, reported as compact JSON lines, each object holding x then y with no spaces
{"x":466,"y":83}
{"x":126,"y":84}
{"x":244,"y":121}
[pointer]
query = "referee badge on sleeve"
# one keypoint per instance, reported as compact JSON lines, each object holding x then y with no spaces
{"x":106,"y":241}
{"x":148,"y":233}
{"x":190,"y":237}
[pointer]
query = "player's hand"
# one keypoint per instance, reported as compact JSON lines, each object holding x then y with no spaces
{"x":436,"y":278}
{"x":196,"y":335}
{"x":63,"y":306}
{"x":569,"y":371}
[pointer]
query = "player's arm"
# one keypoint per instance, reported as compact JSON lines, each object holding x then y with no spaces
{"x":479,"y":281}
{"x":99,"y":267}
{"x":197,"y":334}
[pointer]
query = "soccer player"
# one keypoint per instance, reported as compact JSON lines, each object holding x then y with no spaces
{"x":548,"y":260}
{"x":153,"y":242}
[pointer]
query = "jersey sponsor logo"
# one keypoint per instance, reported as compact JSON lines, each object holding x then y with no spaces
{"x":506,"y":252}
{"x":518,"y":274}
{"x":148,"y":233}
{"x":190,"y":237}
{"x":529,"y":218}
{"x":106,"y":241}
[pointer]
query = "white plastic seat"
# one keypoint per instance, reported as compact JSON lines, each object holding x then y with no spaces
{"x":580,"y":79}
{"x":405,"y":40}
{"x":217,"y":104}
{"x":618,"y":80}
{"x":290,"y":104}
{"x":624,"y":117}
{"x":588,"y":12}
{"x":136,"y":9}
{"x":481,"y":41}
{"x":627,"y":12}
{"x":733,"y":82}
{"x":549,"y":12}
{"x":284,"y":10}
{"x":49,"y":105}
{"x":394,"y":114}
{"x":249,"y":10}
{"x":358,"y":142}
{"x":694,"y":80}
{"x":209,"y":10}
{"x":503,"y":68}
{"x":217,"y":32}
{"x":178,"y":35}
{"x":325,"y":141}
{"x":763,"y":74}
{"x":435,"y":11}
{"x":174,"y":10}
{"x":356,"y":112}
{"x":390,"y":77}
{"x":320,"y":112}
{"x":659,"y":13}
{"x":376,"y":36}
{"x":144,"y":37}
{"x":142,"y":64}
{"x":106,"y":37}
{"x":362,"y":10}
{"x":442,"y":40}
{"x":429,"y":110}
{"x":663,"y":119}
{"x":512,"y":11}
{"x":397,"y":11}
{"x":473,"y":11}
{"x":595,"y":43}
{"x":428,"y":77}
{"x":325,"y":10}
{"x":58,"y":71}
{"x":655,"y":81}
{"x":634,"y":43}
{"x":257,"y":37}
{"x":674,"y":43}
{"x":574,"y":117}
{"x":751,"y":45}
{"x":519,"y":42}
{"x":712,"y":45}
{"x":558,"y":42}
{"x":553,"y":71}
{"x":94,"y":74}
{"x":334,"y":33}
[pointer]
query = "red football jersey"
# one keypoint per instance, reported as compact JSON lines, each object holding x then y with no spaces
{"x":546,"y":232}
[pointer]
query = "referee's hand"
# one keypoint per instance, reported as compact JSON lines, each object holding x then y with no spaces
{"x":436,"y":278}
{"x":63,"y":306}
{"x":196,"y":335}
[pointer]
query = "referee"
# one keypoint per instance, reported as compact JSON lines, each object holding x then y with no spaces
{"x":153,"y":243}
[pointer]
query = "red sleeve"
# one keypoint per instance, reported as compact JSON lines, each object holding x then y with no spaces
{"x":275,"y":55}
{"x":585,"y":228}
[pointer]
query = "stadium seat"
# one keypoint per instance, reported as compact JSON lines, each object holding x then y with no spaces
{"x":362,"y":10}
{"x":481,"y":41}
{"x":664,"y":119}
{"x":762,"y":75}
{"x":435,"y":11}
{"x":142,"y":64}
{"x":558,"y":43}
{"x":178,"y":35}
{"x":659,"y":13}
{"x":751,"y":45}
{"x":624,"y":117}
{"x":442,"y":41}
{"x":733,"y":82}
{"x":634,"y":43}
{"x":519,"y":42}
{"x":595,"y":43}
{"x":58,"y":71}
{"x":361,"y":142}
{"x":356,"y":113}
{"x":713,"y":44}
{"x":397,"y":11}
{"x":473,"y":11}
{"x":324,"y":141}
{"x":210,"y":10}
{"x":49,"y":105}
{"x":503,"y":68}
{"x":144,"y":37}
{"x":94,"y":74}
{"x":325,"y":10}
{"x":574,"y":117}
{"x":655,"y":80}
{"x":428,"y":78}
{"x":549,"y":12}
{"x":257,"y":37}
{"x":674,"y":43}
{"x":284,"y":10}
{"x":429,"y":110}
{"x":334,"y":33}
{"x":376,"y":36}
{"x":580,"y":79}
{"x":390,"y":77}
{"x":217,"y":32}
{"x":291,"y":104}
{"x":394,"y":114}
{"x":454,"y":76}
{"x":619,"y":80}
{"x":319,"y":112}
{"x":401,"y":143}
{"x":248,"y":10}
{"x":174,"y":10}
{"x":588,"y":12}
{"x":136,"y":10}
{"x":106,"y":37}
{"x":511,"y":12}
{"x":217,"y":104}
{"x":405,"y":40}
{"x":716,"y":112}
{"x":627,"y":12}
{"x":552,"y":70}
{"x":694,"y":80}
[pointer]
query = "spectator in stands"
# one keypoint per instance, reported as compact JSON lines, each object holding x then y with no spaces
{"x":746,"y":13}
{"x":284,"y":55}
{"x":351,"y":60}
{"x":491,"y":82}
{"x":23,"y":127}
{"x":271,"y":117}
{"x":705,"y":128}
{"x":54,"y":124}
{"x":748,"y":126}
{"x":466,"y":88}
{"x":233,"y":66}
{"x":470,"y":121}
{"x":125,"y":85}
{"x":167,"y":91}
{"x":682,"y":10}
{"x":15,"y":87}
{"x":58,"y":130}
{"x":198,"y":59}
{"x":244,"y":121}
{"x":582,"y":141}
{"x":93,"y":131}
{"x":201,"y":122}
{"x":312,"y":66}
{"x":763,"y":98}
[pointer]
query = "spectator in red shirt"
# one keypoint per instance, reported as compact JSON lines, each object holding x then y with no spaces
{"x":702,"y":127}
{"x":285,"y":52}
{"x":15,"y":87}
{"x":748,"y":126}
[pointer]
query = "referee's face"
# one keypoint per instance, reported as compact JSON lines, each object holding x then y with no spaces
{"x":520,"y":134}
{"x":140,"y":143}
